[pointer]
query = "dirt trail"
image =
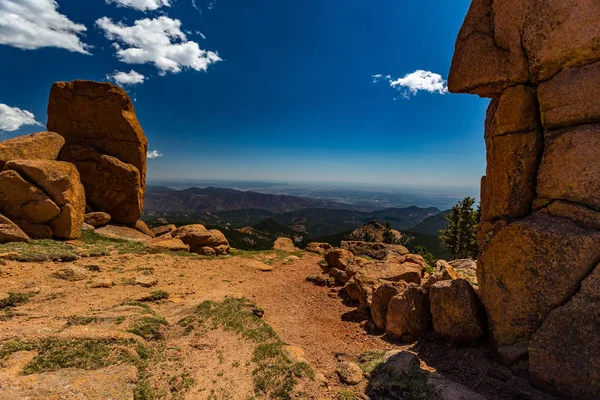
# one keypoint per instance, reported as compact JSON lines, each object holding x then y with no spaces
{"x":311,"y":317}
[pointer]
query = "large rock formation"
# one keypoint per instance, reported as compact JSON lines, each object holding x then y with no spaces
{"x":539,"y":60}
{"x":39,"y":146}
{"x":105,"y":142}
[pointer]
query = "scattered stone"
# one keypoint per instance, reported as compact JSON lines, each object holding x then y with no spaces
{"x":319,"y":248}
{"x":350,"y":373}
{"x":96,"y":219}
{"x":102,"y":283}
{"x":259,"y":265}
{"x":321,"y":280}
{"x":339,"y":275}
{"x":294,"y":353}
{"x":401,"y":362}
{"x":284,"y":244}
{"x":457,"y":313}
{"x":72,"y":274}
{"x":146,"y":281}
{"x":352,"y":289}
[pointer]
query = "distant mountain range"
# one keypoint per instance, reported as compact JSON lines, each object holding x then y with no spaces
{"x":211,"y":199}
{"x":432,"y":225}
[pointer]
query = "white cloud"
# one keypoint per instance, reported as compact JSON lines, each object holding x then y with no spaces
{"x":141,"y":5}
{"x":12,"y":118}
{"x":412,"y":83}
{"x":154,"y":154}
{"x":157,"y":41}
{"x":126,"y":78}
{"x":32,"y":24}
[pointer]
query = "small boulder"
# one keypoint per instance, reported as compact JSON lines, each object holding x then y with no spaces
{"x":408,"y":316}
{"x":72,"y":274}
{"x":10,"y":232}
{"x":284,"y":244}
{"x":168,"y":243}
{"x":339,"y":275}
{"x":203,"y":241}
{"x":163,"y":230}
{"x":457,"y":312}
{"x":102,"y":283}
{"x":319,"y":248}
{"x":352,"y":289}
{"x":122,"y":233}
{"x":446,"y":274}
{"x":350,"y":373}
{"x":142,"y":227}
{"x":96,"y":219}
{"x":339,"y":258}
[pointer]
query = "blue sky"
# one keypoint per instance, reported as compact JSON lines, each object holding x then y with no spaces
{"x":259,"y":89}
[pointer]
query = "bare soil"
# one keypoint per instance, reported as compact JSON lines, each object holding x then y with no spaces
{"x":216,"y":364}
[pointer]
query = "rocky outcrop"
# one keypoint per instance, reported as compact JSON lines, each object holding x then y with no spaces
{"x":163,"y":230}
{"x":539,"y":60}
{"x":319,"y":248}
{"x":203,"y":241}
{"x":373,"y":231}
{"x":39,"y":146}
{"x":408,"y":315}
{"x":381,"y":300}
{"x":105,"y":141}
{"x":339,"y":259}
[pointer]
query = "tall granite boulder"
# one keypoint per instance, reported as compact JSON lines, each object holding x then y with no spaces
{"x":105,"y":142}
{"x":539,"y":61}
{"x":39,"y":146}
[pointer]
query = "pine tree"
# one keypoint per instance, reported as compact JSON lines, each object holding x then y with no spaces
{"x":388,"y":235}
{"x":459,"y":238}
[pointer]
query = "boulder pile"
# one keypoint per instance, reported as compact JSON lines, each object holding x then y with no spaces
{"x":402,"y":298}
{"x":87,"y":172}
{"x":539,"y":61}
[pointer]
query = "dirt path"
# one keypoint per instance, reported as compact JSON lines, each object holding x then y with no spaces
{"x":311,"y":317}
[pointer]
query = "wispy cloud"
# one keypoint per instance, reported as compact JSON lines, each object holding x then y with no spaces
{"x":141,"y":5}
{"x":412,"y":83}
{"x":12,"y":118}
{"x":154,"y":154}
{"x":157,"y":41}
{"x":126,"y":78}
{"x":33,"y":24}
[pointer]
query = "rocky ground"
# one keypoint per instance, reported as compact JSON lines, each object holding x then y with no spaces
{"x":128,"y":323}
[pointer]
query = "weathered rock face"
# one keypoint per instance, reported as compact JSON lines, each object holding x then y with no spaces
{"x":381,"y":300}
{"x":540,"y":62}
{"x":376,"y":250}
{"x":106,"y":143}
{"x":456,"y":311}
{"x":284,"y":244}
{"x":319,"y":248}
{"x":339,"y":258}
{"x":570,"y":361}
{"x":38,"y":194}
{"x":39,"y":146}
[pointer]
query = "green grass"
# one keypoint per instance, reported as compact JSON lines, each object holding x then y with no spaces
{"x":156,"y":295}
{"x":148,"y":327}
{"x":369,"y":360}
{"x":345,"y":394}
{"x":80,"y":320}
{"x":55,"y":354}
{"x":15,"y":299}
{"x":269,"y":257}
{"x":275,"y":375}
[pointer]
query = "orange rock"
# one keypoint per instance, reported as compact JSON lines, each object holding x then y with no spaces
{"x":381,"y":300}
{"x":408,"y":316}
{"x":39,"y":146}
{"x":163,"y":230}
{"x":198,"y":237}
{"x":171,"y":244}
{"x":20,"y":199}
{"x":100,"y":116}
{"x":560,"y":34}
{"x":284,"y":244}
{"x":339,"y":258}
{"x":581,"y":215}
{"x":569,"y":170}
{"x":60,"y":180}
{"x":564,"y":350}
{"x":142,"y":227}
{"x":514,"y":111}
{"x":509,"y":186}
{"x":97,"y":219}
{"x":10,"y":232}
